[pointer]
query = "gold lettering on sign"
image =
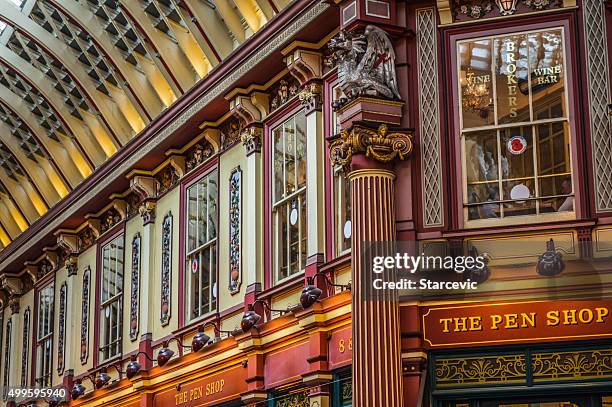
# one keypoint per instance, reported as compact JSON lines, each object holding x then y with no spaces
{"x":511,"y":77}
{"x":199,"y":392}
{"x":525,"y":320}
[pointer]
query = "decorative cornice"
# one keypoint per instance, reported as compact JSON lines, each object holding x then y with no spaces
{"x":380,"y":145}
{"x":305,"y":65}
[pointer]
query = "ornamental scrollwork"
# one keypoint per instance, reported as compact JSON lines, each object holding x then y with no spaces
{"x":235,"y":220}
{"x":251,"y":139}
{"x":166,"y":269}
{"x":26,"y":346}
{"x":85,"y":315}
{"x":382,"y":145}
{"x":299,"y":399}
{"x":7,"y":359}
{"x":61,"y":329}
{"x":135,"y":288}
{"x":366,"y":63}
{"x":480,"y":370}
{"x":574,"y":365}
{"x":198,"y":154}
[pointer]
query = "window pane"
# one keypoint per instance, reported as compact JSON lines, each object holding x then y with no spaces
{"x":482,"y":157}
{"x":278,"y":169}
{"x":300,"y":148}
{"x":511,"y":77}
{"x":547,"y":74}
{"x":192,"y":217}
{"x":201,"y":266}
{"x":290,"y":158}
{"x":476,"y":83}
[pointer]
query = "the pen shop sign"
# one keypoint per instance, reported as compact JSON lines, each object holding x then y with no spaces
{"x":207,"y":391}
{"x":518,"y":322}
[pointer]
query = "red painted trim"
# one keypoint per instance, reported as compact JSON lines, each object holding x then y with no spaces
{"x":103,"y":240}
{"x":186,"y":182}
{"x":273,"y":120}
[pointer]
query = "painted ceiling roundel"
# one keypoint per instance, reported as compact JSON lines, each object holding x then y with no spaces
{"x":80,"y":78}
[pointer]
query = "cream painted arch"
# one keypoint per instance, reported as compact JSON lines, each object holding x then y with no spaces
{"x":79,"y":129}
{"x":85,"y":18}
{"x":114,"y":115}
{"x":39,"y":173}
{"x":56,"y":150}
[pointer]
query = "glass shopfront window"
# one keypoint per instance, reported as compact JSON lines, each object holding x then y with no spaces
{"x":516,"y":153}
{"x":44,"y":336}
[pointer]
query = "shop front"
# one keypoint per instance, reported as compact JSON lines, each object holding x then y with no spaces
{"x":520,"y":354}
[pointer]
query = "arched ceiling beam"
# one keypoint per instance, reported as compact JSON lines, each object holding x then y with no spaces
{"x":5,"y":239}
{"x":123,"y":122}
{"x":233,"y":20}
{"x":251,"y":13}
{"x":169,"y":18}
{"x":92,"y":145}
{"x":168,"y":50}
{"x":23,"y":192}
{"x":136,"y":84}
{"x":38,"y":175}
{"x":55,"y":149}
{"x":207,"y":17}
{"x":9,"y":215}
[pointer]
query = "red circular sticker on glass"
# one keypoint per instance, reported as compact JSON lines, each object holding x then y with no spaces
{"x":194,"y":266}
{"x":517,"y":145}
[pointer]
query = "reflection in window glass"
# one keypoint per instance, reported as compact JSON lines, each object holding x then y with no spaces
{"x":201,"y":259}
{"x":289,"y":196}
{"x":111,"y":298}
{"x":44,"y":336}
{"x":516,"y":146}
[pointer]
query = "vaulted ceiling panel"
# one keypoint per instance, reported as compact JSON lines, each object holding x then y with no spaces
{"x":81,"y":78}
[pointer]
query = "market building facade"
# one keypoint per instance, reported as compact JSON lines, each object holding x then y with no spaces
{"x":189,"y":188}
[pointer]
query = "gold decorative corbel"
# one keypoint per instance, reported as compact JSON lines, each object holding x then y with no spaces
{"x":380,"y":144}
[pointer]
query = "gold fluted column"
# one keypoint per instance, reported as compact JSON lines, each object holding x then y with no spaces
{"x":368,"y":155}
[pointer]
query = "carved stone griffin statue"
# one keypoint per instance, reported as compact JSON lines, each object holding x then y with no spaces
{"x":366,"y":63}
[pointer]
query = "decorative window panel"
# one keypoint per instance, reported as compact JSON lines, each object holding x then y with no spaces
{"x":26,"y":347}
{"x":61,"y":329}
{"x":44,"y":335}
{"x":598,"y":87}
{"x":235,"y":223}
{"x":166,"y":269}
{"x":201,"y":259}
{"x":85,"y":316}
{"x":135,"y":288}
{"x":7,"y":358}
{"x":111,"y":298}
{"x":429,"y":117}
{"x":515,"y":130}
{"x":289,"y":196}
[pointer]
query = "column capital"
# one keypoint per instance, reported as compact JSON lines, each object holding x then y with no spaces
{"x":252,"y":139}
{"x":147,"y":212}
{"x":311,"y":97}
{"x":14,"y":304}
{"x":379,"y":144}
{"x":72,"y":265}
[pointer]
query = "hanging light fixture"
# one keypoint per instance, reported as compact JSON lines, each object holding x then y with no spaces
{"x":251,"y":318}
{"x":134,"y":367}
{"x":506,"y":7}
{"x":201,"y":339}
{"x":311,"y":293}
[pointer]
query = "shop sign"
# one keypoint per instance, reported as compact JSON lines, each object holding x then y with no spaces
{"x":505,"y":323}
{"x":340,"y":348}
{"x":207,"y":391}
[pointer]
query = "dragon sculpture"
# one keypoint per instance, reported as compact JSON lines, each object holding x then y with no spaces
{"x":366,"y":63}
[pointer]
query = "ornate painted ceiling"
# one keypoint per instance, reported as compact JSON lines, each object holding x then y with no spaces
{"x":80,"y":78}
